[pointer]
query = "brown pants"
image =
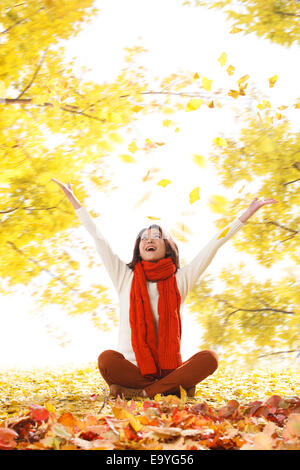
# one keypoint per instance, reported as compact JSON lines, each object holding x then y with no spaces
{"x":115,"y":369}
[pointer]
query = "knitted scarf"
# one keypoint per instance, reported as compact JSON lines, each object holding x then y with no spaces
{"x":155,"y":352}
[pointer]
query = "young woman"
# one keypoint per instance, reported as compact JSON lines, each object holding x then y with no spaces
{"x":152,"y":289}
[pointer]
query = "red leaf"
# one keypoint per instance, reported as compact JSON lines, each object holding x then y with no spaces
{"x":228,"y":410}
{"x":7,"y":439}
{"x":273,"y":401}
{"x":39,"y":413}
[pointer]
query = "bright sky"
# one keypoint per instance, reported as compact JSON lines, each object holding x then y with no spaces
{"x":176,"y":38}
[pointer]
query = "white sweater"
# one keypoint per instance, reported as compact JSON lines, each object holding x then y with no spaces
{"x":121,"y":275}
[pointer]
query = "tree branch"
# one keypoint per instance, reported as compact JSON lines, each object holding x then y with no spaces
{"x":280,"y":352}
{"x":283,"y":13}
{"x":290,"y":182}
{"x":21,"y":21}
{"x":42,"y":268}
{"x":34,"y":75}
{"x":64,"y":108}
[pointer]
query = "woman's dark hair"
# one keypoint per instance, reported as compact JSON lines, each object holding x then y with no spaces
{"x":171,"y":247}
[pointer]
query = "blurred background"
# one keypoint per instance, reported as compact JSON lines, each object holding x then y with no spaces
{"x":172,"y":112}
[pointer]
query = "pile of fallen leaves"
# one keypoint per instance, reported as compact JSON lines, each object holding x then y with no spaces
{"x":95,"y":421}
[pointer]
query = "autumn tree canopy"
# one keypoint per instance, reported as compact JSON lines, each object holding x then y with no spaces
{"x":55,"y":124}
{"x":276,"y":20}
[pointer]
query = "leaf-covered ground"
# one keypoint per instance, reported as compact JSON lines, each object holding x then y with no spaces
{"x":71,"y":409}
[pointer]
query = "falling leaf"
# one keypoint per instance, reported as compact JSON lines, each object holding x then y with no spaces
{"x":193,"y":104}
{"x":273,"y":80}
{"x":222,"y":59}
{"x":206,"y":83}
{"x":264,"y":104}
{"x":196,"y":76}
{"x":220,"y":141}
{"x":260,"y":118}
{"x":211,"y":104}
{"x":199,"y":160}
{"x":278,"y":115}
{"x":242,"y":79}
{"x":164,"y":182}
{"x":132,"y":147}
{"x":230,"y":70}
{"x":152,"y":217}
{"x":233,"y":93}
{"x":137,"y":108}
{"x":235,"y":30}
{"x":167,"y":122}
{"x":127,"y":158}
{"x":194,"y":195}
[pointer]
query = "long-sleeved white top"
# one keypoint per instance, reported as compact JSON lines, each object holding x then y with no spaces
{"x":121,"y":275}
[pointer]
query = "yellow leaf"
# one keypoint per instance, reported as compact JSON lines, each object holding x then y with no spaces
{"x":242,"y":79}
{"x":259,"y":117}
{"x":183,"y":394}
{"x":264,"y":104}
{"x":233,"y":93}
{"x":220,"y":141}
{"x":167,"y":122}
{"x":193,"y":104}
{"x":153,"y":218}
{"x":49,"y":407}
{"x":297,"y":105}
{"x":137,"y":108}
{"x":194,"y":195}
{"x":235,"y":30}
{"x":223,"y":233}
{"x":282,"y":107}
{"x":211,"y":104}
{"x":132,"y":147}
{"x":272,"y":81}
{"x":127,"y":158}
{"x":121,"y":413}
{"x":230,"y":69}
{"x":206,"y":83}
{"x":278,"y":115}
{"x":222,"y":59}
{"x":195,"y":76}
{"x":164,"y":183}
{"x":269,"y":119}
{"x":199,"y":160}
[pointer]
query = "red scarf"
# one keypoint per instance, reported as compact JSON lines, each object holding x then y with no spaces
{"x":155,"y":354}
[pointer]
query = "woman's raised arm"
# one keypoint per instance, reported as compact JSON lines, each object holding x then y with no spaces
{"x":116,"y":268}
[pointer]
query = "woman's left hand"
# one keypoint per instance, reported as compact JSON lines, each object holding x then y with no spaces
{"x":257,"y":203}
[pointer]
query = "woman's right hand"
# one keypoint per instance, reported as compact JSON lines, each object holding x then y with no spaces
{"x":67,"y":189}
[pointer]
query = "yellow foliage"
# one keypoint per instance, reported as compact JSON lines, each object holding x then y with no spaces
{"x":194,"y":195}
{"x":193,"y":104}
{"x":199,"y":160}
{"x":164,"y":183}
{"x":222,"y":59}
{"x":206,"y":83}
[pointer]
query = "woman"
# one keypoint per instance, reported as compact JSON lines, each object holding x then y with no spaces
{"x":152,"y":289}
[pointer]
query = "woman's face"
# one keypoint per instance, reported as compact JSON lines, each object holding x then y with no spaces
{"x":152,"y":246}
